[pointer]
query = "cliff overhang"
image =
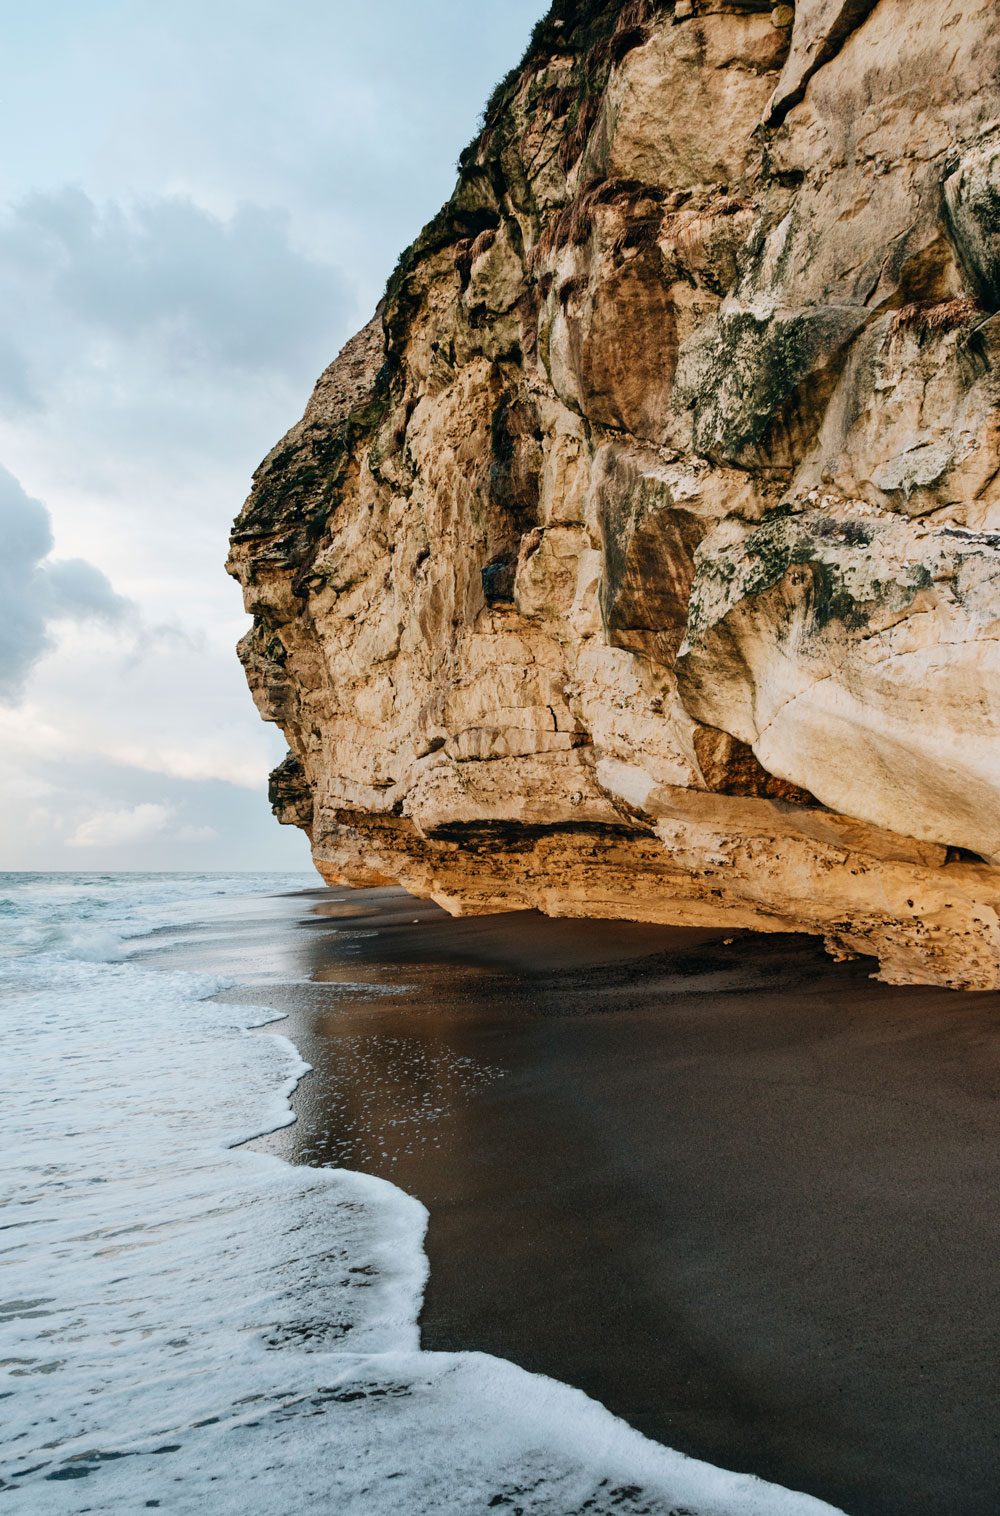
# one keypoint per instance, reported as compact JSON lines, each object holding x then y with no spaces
{"x":641,"y":557}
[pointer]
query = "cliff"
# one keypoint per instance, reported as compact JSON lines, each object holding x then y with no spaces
{"x":641,"y":558}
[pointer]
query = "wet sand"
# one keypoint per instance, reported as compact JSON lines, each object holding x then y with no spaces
{"x":743,"y":1196}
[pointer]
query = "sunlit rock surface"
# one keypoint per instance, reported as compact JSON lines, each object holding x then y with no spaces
{"x":641,"y":558}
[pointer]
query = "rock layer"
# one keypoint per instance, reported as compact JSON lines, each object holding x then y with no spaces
{"x":641,"y":558}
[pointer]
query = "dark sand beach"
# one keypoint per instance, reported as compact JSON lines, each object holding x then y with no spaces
{"x":742,"y":1195}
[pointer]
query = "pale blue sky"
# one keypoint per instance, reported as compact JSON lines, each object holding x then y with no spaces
{"x":199,"y":202}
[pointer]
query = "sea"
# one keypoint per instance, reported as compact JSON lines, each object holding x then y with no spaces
{"x":191,"y":1325}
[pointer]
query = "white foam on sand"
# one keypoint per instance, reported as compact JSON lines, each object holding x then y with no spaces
{"x":191,"y":1326}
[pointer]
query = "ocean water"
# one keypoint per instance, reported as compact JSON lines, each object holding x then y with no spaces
{"x":192,"y":1326}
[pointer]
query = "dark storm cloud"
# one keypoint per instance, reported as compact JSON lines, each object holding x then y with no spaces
{"x":35,"y":591}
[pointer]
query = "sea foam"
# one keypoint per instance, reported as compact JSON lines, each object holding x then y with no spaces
{"x":189,"y":1325}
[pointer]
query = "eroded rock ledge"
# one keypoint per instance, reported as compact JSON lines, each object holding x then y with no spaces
{"x":641,"y":558}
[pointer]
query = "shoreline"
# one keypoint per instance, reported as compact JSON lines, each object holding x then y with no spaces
{"x":506,"y":1424}
{"x":857,"y":1122}
{"x":738,"y":1194}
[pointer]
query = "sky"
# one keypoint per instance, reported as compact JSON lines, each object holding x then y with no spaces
{"x":200,"y":202}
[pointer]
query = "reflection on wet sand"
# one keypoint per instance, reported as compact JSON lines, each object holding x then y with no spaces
{"x":742,"y":1195}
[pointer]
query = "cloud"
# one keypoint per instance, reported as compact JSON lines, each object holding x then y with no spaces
{"x":123,"y":827}
{"x":243,"y":764}
{"x":16,"y":390}
{"x":175,"y":712}
{"x":73,"y":589}
{"x":195,"y":291}
{"x":126,"y":826}
{"x":54,"y":816}
{"x":197,"y":834}
{"x":36,"y":590}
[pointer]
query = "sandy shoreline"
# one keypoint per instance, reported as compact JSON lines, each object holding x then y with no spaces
{"x":741,"y":1195}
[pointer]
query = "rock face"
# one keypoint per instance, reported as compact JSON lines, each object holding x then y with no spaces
{"x":641,"y":558}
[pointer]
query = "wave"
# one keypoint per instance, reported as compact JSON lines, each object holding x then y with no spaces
{"x":193,"y":1326}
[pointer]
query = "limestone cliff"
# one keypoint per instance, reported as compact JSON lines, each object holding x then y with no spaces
{"x":641,"y":558}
